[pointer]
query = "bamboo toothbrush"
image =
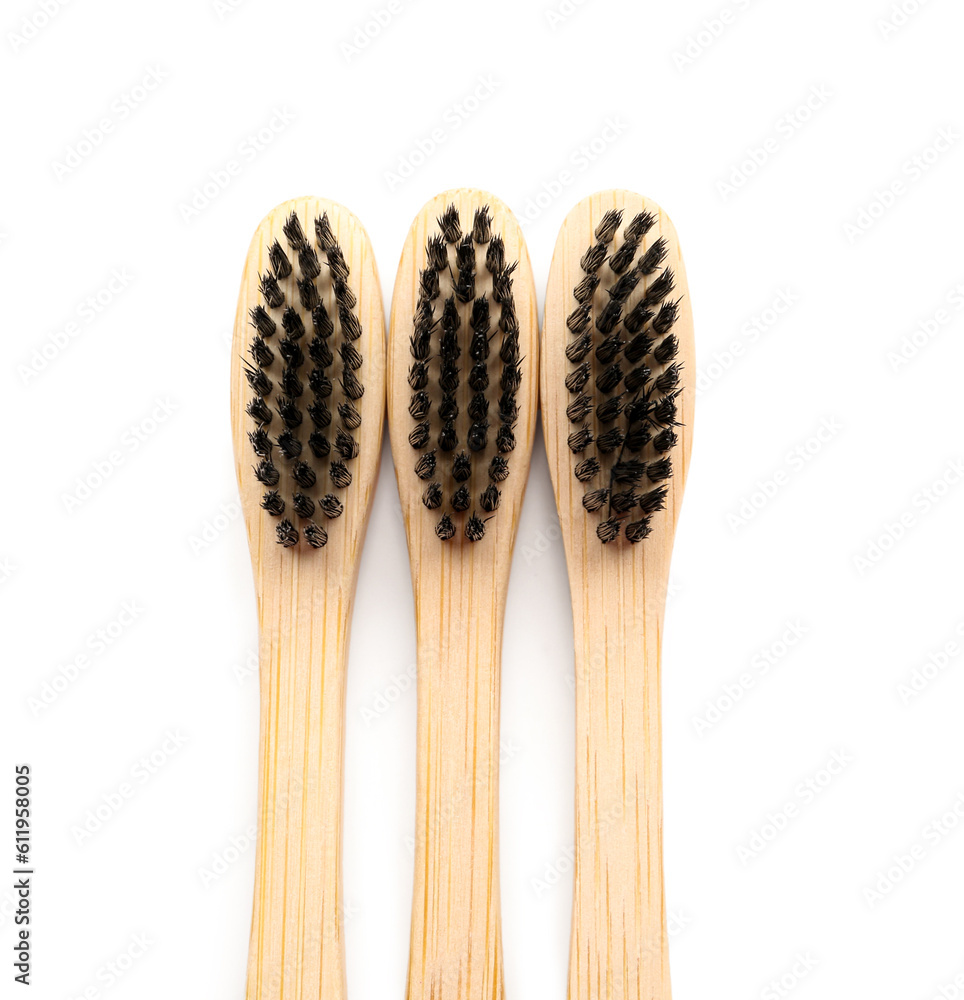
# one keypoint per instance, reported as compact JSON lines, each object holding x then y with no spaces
{"x":307,"y":408}
{"x":617,"y":408}
{"x":462,"y":395}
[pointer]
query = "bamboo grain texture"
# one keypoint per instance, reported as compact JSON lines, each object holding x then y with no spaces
{"x":619,"y":945}
{"x":304,"y":599}
{"x":460,"y":591}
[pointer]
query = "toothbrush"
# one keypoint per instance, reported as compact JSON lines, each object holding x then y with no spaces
{"x":617,"y":410}
{"x":307,"y":410}
{"x":462,"y":394}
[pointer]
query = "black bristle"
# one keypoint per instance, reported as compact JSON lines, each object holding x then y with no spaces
{"x":611,"y":440}
{"x":350,"y":417}
{"x":578,"y":319}
{"x":638,"y":348}
{"x":587,"y":469}
{"x":639,"y":226}
{"x":490,"y":499}
{"x":432,"y":497}
{"x":629,"y":472}
{"x":418,"y":375}
{"x":257,"y":379}
{"x":636,"y":378}
{"x":595,"y":500}
{"x":609,"y":410}
{"x":608,"y":531}
{"x":593,"y":258}
{"x":350,"y":327}
{"x":579,"y":408}
{"x":258,"y":410}
{"x":291,"y":352}
{"x":495,"y":256}
{"x":637,"y":318}
{"x":304,"y":475}
{"x":331,"y":506}
{"x":425,"y":466}
{"x":609,"y":378}
{"x":623,"y":257}
{"x":666,"y":317}
{"x":294,"y":233}
{"x":659,"y":470}
{"x":428,"y":283}
{"x":266,"y":473}
{"x":271,"y":291}
{"x":654,"y":256}
{"x":319,"y":413}
{"x":636,"y":531}
{"x":337,"y":264}
{"x":273,"y":503}
{"x":308,"y":293}
{"x":478,"y":436}
{"x":308,"y":262}
{"x":343,"y":294}
{"x":350,"y":356}
{"x":350,"y":385}
{"x":323,"y":234}
{"x":668,"y":380}
{"x":482,"y":225}
{"x":319,"y":444}
{"x":292,"y":323}
{"x":291,"y":385}
{"x":498,"y":469}
{"x":659,"y":289}
{"x":626,"y":285}
{"x":583,"y":292}
{"x":262,"y":322}
{"x":315,"y":535}
{"x":609,"y":316}
{"x":279,"y":261}
{"x":346,"y":445}
{"x":450,"y":224}
{"x":339,"y":474}
{"x":576,"y":380}
{"x":418,"y":438}
{"x":437,"y":253}
{"x":608,"y":225}
{"x":289,"y":412}
{"x":653,"y":501}
{"x":579,"y":348}
{"x":321,"y":321}
{"x":287,"y":534}
{"x":580,"y":440}
{"x":303,"y":505}
{"x":289,"y":444}
{"x":452,"y":345}
{"x":623,"y":501}
{"x":448,"y":438}
{"x":260,"y":442}
{"x":262,"y":354}
{"x":461,"y":467}
{"x":474,"y":528}
{"x":319,"y":383}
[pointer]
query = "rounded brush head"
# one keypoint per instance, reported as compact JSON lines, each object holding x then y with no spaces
{"x":617,"y":356}
{"x":463,"y":357}
{"x":307,"y":379}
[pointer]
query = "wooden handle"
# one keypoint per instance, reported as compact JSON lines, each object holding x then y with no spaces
{"x":460,"y":589}
{"x":619,"y":938}
{"x":619,"y":941}
{"x":456,"y":948}
{"x":297,"y":949}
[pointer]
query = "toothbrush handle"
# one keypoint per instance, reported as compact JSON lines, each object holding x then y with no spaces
{"x":297,"y":947}
{"x":619,"y":947}
{"x":456,"y":948}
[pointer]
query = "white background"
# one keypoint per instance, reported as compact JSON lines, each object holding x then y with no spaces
{"x":879,"y":98}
